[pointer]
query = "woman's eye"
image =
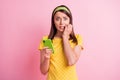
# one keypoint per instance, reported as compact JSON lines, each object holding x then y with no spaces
{"x":57,"y":18}
{"x":65,"y":18}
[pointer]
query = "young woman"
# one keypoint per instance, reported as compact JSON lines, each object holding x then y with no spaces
{"x":60,"y":65}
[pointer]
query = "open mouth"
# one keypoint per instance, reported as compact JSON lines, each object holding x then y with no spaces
{"x":62,"y":27}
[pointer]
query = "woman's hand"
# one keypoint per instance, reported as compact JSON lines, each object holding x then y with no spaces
{"x":67,"y":31}
{"x":46,"y":52}
{"x":45,"y":59}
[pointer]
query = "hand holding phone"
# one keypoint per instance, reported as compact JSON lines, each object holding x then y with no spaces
{"x":48,"y":43}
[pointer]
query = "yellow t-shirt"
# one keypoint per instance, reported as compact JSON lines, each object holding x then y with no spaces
{"x":59,"y":70}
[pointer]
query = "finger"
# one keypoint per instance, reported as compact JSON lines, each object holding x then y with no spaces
{"x":48,"y":52}
{"x":66,"y":27}
{"x":45,"y":47}
{"x":70,"y":26}
{"x":49,"y":49}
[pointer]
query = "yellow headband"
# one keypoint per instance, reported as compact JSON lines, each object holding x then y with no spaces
{"x":61,"y":8}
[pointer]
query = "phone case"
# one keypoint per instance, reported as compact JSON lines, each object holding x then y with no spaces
{"x":48,"y":43}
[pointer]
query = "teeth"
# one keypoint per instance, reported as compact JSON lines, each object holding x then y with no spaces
{"x":62,"y":27}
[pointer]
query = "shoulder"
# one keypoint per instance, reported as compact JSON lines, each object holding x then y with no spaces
{"x":45,"y":37}
{"x":80,"y":40}
{"x":78,"y":36}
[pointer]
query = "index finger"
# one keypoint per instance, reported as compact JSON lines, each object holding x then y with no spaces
{"x":45,"y":47}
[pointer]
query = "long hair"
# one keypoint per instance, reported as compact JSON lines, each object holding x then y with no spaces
{"x":53,"y":30}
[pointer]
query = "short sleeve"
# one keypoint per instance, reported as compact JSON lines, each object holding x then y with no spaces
{"x":80,"y":41}
{"x":41,"y":43}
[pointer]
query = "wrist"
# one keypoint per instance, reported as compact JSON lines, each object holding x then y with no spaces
{"x":65,"y":37}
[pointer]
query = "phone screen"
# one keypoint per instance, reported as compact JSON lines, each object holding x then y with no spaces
{"x":48,"y":43}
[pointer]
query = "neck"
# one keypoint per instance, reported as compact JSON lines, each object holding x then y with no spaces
{"x":59,"y":34}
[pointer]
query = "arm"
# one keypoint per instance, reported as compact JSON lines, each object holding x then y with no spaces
{"x":45,"y":60}
{"x":71,"y":54}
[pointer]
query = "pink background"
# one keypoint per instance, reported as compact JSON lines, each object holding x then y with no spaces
{"x":24,"y":22}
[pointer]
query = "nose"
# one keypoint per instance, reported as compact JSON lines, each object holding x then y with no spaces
{"x":61,"y":21}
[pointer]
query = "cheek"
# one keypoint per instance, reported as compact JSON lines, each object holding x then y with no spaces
{"x":56,"y":24}
{"x":67,"y":22}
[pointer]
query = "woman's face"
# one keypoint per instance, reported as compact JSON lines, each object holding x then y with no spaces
{"x":61,"y":20}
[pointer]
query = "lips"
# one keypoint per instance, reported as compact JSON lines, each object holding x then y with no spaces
{"x":62,"y":27}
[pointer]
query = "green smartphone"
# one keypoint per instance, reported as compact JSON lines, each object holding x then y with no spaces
{"x":48,"y":43}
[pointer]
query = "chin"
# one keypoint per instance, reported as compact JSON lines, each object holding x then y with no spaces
{"x":61,"y":30}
